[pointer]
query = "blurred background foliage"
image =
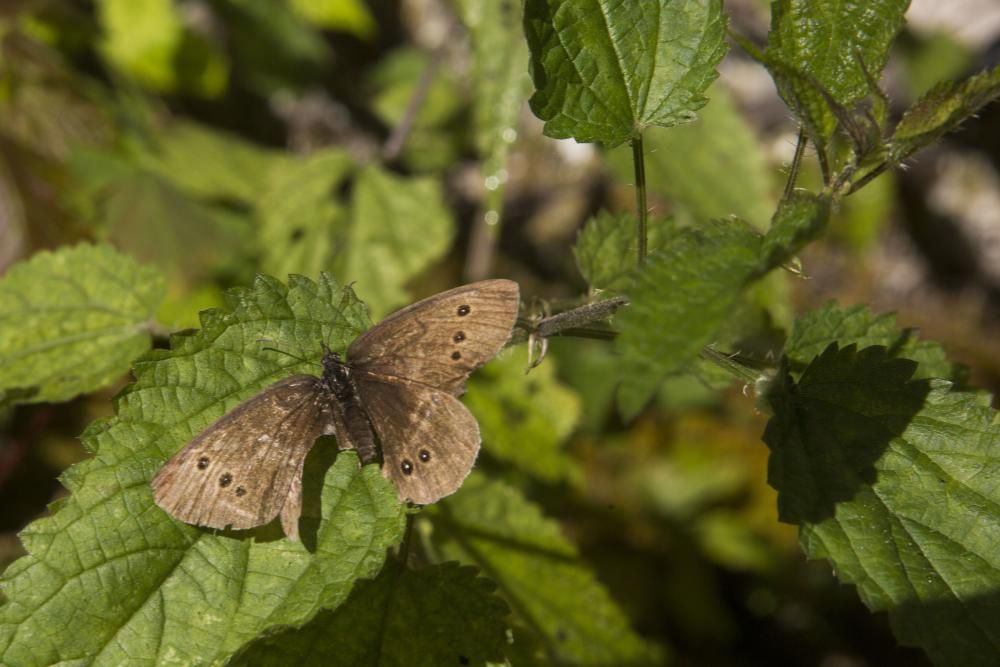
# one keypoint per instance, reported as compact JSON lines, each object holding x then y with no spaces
{"x":389,"y":143}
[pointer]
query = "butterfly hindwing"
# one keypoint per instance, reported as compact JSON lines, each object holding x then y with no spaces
{"x":440,"y":340}
{"x":246,"y":468}
{"x":429,"y":439}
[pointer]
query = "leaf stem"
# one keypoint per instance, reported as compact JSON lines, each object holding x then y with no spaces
{"x":570,"y":322}
{"x":793,"y":169}
{"x":640,"y":196}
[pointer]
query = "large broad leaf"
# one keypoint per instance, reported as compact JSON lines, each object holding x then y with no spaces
{"x":525,"y":420}
{"x":829,"y":49}
{"x":895,"y":481}
{"x":683,"y":164}
{"x":440,"y":615}
{"x":606,"y":248}
{"x":72,"y":321}
{"x":604,"y":71}
{"x":398,"y":226}
{"x":681,"y":298}
{"x":136,"y":586}
{"x":490,"y":525}
{"x":816,"y":330}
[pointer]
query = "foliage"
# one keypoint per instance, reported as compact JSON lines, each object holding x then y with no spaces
{"x":618,"y":487}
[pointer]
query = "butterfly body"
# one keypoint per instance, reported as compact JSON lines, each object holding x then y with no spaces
{"x":400,"y":382}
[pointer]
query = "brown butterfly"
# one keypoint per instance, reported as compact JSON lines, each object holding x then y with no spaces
{"x":401,"y":378}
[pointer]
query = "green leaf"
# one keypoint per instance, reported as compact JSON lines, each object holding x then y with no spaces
{"x":213,"y":165}
{"x":606,"y":248}
{"x":683,"y":164}
{"x":831,"y":52}
{"x":819,"y":328}
{"x":799,"y":219}
{"x":439,"y":615}
{"x":894,"y":481}
{"x":682,"y":296}
{"x":942,"y":110}
{"x":141,"y":588}
{"x":490,"y":525}
{"x":73,"y":320}
{"x":513,"y":410}
{"x":606,"y":71}
{"x":398,"y":227}
{"x":340,"y":15}
{"x":299,"y":215}
{"x":147,"y":40}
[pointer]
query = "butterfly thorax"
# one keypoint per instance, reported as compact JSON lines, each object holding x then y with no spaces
{"x":353,"y":429}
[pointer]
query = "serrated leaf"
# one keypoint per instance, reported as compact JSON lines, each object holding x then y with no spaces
{"x":525,"y":420}
{"x":856,"y":325}
{"x":72,"y":321}
{"x":491,"y":525}
{"x":141,"y":588}
{"x":800,"y":218}
{"x":398,"y":227}
{"x":440,"y":615}
{"x":607,"y":246}
{"x":895,"y":481}
{"x":942,"y":110}
{"x":683,"y":164}
{"x":832,"y":52}
{"x":299,"y":215}
{"x":606,"y":71}
{"x":681,"y":298}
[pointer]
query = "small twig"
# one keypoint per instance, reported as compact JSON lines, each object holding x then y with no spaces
{"x":394,"y":144}
{"x":640,"y":196}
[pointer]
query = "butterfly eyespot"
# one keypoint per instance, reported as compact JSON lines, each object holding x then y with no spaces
{"x":456,"y":355}
{"x":464,"y":310}
{"x":225,"y":480}
{"x":424,"y":455}
{"x":202,"y":463}
{"x":240,"y":492}
{"x":406,"y":466}
{"x":458,"y":337}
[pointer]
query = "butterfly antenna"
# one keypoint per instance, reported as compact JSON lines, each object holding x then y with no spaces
{"x":289,"y":354}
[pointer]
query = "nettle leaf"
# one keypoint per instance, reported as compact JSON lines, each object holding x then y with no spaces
{"x":856,"y":325}
{"x":73,"y":321}
{"x":138,"y":587}
{"x":490,"y":525}
{"x":800,"y":218}
{"x":514,"y":410}
{"x":439,"y":615}
{"x":606,"y":71}
{"x":896,"y":482}
{"x":398,"y":227}
{"x":681,"y":297}
{"x":299,"y":214}
{"x":834,"y":53}
{"x":942,"y":110}
{"x":683,"y":164}
{"x":606,"y":249}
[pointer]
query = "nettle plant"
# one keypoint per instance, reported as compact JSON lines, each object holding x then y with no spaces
{"x":884,"y":458}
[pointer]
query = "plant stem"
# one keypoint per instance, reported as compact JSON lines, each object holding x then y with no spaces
{"x":793,"y":169}
{"x":571,"y":322}
{"x":640,"y":196}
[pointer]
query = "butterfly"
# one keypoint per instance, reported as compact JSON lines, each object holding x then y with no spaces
{"x":397,"y":388}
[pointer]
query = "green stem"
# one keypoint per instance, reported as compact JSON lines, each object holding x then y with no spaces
{"x":640,"y":195}
{"x":793,"y":169}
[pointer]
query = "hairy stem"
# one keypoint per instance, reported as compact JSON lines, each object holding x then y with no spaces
{"x":640,"y":196}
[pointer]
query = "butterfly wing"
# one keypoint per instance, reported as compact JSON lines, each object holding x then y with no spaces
{"x":246,"y":468}
{"x":429,"y":439}
{"x":440,"y":340}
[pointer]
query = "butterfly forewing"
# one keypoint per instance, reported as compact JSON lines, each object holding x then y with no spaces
{"x":429,"y":439}
{"x":440,"y":340}
{"x":246,"y":468}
